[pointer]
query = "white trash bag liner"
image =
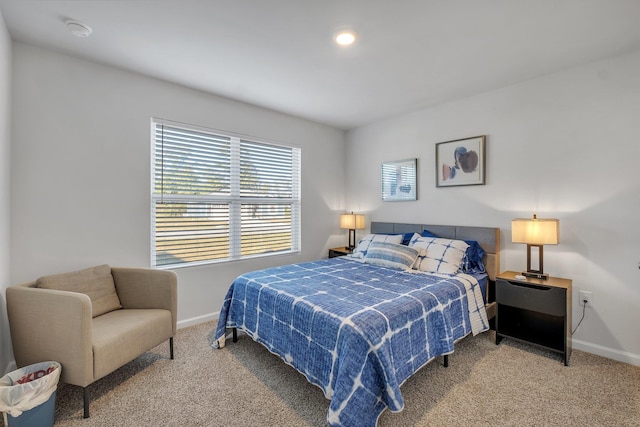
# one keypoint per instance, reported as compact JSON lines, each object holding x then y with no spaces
{"x":28,"y":387}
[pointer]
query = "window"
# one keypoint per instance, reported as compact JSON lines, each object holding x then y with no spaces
{"x":220,"y":197}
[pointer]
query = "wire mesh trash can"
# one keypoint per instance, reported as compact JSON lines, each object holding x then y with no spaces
{"x":28,"y":395}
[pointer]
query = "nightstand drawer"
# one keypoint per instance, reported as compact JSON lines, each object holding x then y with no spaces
{"x":539,"y":298}
{"x":336,"y":252}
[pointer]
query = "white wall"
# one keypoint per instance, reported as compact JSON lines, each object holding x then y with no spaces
{"x":565,"y":146}
{"x":562,"y":146}
{"x":81,"y":171}
{"x":5,"y":189}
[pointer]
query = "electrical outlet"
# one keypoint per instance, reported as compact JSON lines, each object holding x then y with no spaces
{"x":586,"y":298}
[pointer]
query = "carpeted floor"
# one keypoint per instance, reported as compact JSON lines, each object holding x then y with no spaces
{"x":245,"y":385}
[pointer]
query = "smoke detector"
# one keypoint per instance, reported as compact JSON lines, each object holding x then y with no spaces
{"x":78,"y":29}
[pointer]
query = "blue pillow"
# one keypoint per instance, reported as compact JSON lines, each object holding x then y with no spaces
{"x":427,"y":233}
{"x":472,"y":262}
{"x":406,"y":238}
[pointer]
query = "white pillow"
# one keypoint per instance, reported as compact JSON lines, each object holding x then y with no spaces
{"x":363,"y":245}
{"x":439,"y":255}
{"x":391,"y":255}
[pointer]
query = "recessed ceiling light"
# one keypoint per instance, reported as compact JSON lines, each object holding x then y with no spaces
{"x":345,"y":37}
{"x":78,"y":29}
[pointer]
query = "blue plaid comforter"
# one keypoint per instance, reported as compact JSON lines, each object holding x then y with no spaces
{"x":356,"y":330}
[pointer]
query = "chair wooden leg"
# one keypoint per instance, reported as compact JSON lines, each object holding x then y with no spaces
{"x":85,"y":397}
{"x":235,"y":335}
{"x":171,"y":347}
{"x":446,"y":360}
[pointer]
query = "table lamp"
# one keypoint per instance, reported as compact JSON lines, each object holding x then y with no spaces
{"x":535,"y":232}
{"x":352,"y":222}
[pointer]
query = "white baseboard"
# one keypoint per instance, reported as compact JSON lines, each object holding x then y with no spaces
{"x":620,"y":356}
{"x":198,"y":319}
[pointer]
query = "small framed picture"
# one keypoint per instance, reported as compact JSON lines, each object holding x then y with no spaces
{"x":460,"y":162}
{"x":399,"y":180}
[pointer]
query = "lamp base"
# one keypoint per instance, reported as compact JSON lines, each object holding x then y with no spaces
{"x":535,"y":275}
{"x":352,"y":239}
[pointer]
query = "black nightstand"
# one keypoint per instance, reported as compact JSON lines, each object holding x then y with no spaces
{"x":534,"y":311}
{"x":334,"y":252}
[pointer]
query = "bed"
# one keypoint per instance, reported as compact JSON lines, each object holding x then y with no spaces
{"x":357,"y":328}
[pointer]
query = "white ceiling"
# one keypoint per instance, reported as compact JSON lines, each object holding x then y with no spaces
{"x":279,"y":54}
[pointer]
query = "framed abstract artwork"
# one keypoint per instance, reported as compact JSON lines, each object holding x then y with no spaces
{"x":399,"y":180}
{"x":460,"y":162}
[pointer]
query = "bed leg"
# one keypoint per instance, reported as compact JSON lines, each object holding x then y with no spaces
{"x":235,"y":335}
{"x":85,"y":401}
{"x":446,"y":360}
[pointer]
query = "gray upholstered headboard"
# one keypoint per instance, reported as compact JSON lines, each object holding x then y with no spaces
{"x":487,"y":237}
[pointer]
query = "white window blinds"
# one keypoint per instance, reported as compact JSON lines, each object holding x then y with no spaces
{"x":220,"y":197}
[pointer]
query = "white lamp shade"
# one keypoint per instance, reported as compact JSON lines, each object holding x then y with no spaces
{"x":535,"y":231}
{"x":352,"y":221}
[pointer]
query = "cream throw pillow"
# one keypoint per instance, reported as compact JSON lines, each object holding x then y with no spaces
{"x":439,"y":255}
{"x":96,"y":282}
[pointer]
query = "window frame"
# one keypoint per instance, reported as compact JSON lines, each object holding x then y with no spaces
{"x":234,"y":200}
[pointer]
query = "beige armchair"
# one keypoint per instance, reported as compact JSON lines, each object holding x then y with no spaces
{"x":92,"y":321}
